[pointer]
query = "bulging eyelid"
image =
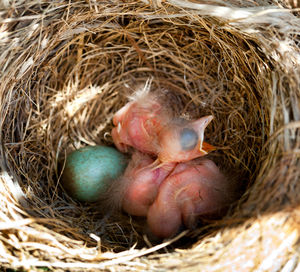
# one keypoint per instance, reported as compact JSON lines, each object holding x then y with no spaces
{"x":188,"y":139}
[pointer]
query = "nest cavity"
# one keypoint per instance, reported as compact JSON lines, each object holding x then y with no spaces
{"x":68,"y":67}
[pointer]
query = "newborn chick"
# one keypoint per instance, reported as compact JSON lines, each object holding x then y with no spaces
{"x":141,"y":184}
{"x":137,"y":189}
{"x":172,"y":195}
{"x":191,"y":191}
{"x":149,"y":127}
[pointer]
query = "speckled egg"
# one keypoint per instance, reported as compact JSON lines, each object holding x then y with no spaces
{"x":88,"y":171}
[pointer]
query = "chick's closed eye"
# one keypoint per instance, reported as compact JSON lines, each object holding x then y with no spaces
{"x":188,"y":139}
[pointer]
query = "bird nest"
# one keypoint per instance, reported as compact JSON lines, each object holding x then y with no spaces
{"x":67,"y":67}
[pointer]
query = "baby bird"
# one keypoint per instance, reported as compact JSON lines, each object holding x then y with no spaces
{"x":193,"y":190}
{"x":137,"y":189}
{"x":147,"y":126}
{"x":172,"y":195}
{"x":142,"y":183}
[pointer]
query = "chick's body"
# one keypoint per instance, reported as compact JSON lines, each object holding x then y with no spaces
{"x":191,"y":191}
{"x":172,"y":195}
{"x":142,"y":183}
{"x":136,"y":190}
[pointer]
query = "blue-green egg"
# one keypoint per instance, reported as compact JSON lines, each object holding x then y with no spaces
{"x":89,"y":171}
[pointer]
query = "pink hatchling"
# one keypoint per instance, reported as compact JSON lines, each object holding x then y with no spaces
{"x":148,"y":127}
{"x":193,"y":190}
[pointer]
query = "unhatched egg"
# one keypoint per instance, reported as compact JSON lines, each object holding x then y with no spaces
{"x":89,"y":171}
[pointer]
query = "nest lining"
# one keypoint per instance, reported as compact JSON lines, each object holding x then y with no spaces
{"x":60,"y":91}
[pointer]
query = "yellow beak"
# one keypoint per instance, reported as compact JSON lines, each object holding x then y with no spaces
{"x":206,"y":147}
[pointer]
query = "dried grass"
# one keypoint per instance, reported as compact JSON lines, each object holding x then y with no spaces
{"x":68,"y":66}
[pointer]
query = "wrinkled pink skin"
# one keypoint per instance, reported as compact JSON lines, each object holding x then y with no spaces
{"x":189,"y":192}
{"x":145,"y":126}
{"x":142,"y":183}
{"x":174,"y":194}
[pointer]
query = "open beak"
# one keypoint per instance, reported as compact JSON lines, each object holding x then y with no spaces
{"x":206,"y":147}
